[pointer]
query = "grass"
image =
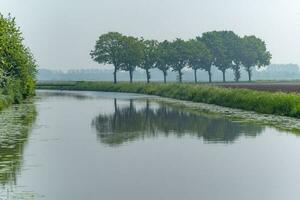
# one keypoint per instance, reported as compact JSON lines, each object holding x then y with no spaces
{"x":5,"y":101}
{"x":278,"y":103}
{"x":14,"y":92}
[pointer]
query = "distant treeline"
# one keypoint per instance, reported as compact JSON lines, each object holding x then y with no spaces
{"x":17,"y":65}
{"x":271,"y":72}
{"x":223,"y":49}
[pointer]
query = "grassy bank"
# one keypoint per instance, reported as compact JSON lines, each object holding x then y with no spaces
{"x":278,"y":103}
{"x":8,"y":96}
{"x":14,"y":93}
{"x":4,"y":101}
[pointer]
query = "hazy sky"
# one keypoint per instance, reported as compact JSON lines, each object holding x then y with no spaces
{"x":61,"y":33}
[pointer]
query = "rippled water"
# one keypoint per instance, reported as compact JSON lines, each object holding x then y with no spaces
{"x":93,"y":145}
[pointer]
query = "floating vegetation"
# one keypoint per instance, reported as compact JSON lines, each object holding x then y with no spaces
{"x":283,"y":123}
{"x":11,"y":194}
{"x":15,"y":124}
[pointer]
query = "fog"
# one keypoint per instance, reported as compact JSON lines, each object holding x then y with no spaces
{"x":62,"y":33}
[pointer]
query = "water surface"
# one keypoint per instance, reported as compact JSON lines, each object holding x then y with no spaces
{"x":93,"y":145}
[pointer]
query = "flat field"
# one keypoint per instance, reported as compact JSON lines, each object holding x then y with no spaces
{"x":265,"y":86}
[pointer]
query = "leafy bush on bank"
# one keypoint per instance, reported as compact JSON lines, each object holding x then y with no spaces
{"x":17,"y":65}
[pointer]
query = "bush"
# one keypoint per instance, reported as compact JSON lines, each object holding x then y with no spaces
{"x":17,"y":65}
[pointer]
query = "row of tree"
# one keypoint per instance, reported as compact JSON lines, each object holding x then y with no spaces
{"x":17,"y":65}
{"x":223,"y":49}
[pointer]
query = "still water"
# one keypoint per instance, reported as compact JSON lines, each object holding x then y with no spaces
{"x":93,"y":145}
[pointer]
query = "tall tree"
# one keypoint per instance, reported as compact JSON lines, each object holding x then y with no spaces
{"x":254,"y":54}
{"x":163,"y":58}
{"x":233,"y":47}
{"x":206,"y":65}
{"x":131,"y":55}
{"x":150,"y":52}
{"x":199,"y":57}
{"x":215,"y":41}
{"x":107,"y":51}
{"x":179,"y":56}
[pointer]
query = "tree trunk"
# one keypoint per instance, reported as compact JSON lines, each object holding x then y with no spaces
{"x":209,"y":76}
{"x":130,"y":75}
{"x":249,"y":74}
{"x":148,"y":75}
{"x":224,"y":79}
{"x":165,"y":77}
{"x":195,"y":74}
{"x":237,"y":73}
{"x":115,"y":76}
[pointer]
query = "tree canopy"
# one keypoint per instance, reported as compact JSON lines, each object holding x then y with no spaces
{"x":17,"y":65}
{"x":199,"y":57}
{"x":163,"y":58}
{"x":178,"y":55}
{"x":150,"y":56}
{"x":222,"y":49}
{"x":108,"y":50}
{"x":131,"y":54}
{"x":254,"y":53}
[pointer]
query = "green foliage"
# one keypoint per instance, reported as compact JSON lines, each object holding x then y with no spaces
{"x":131,"y":54}
{"x":17,"y":65}
{"x":278,"y":103}
{"x":163,"y":58}
{"x":150,"y":56}
{"x":123,"y":52}
{"x":107,"y":50}
{"x":179,"y":56}
{"x":233,"y":44}
{"x":223,"y":49}
{"x":199,"y":57}
{"x":254,"y":53}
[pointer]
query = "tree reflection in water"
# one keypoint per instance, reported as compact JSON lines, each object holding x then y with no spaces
{"x":129,"y":124}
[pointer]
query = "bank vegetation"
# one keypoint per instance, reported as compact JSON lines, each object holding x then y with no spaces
{"x":17,"y":65}
{"x":277,"y":103}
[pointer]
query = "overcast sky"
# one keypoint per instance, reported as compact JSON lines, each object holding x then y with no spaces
{"x":61,"y":33}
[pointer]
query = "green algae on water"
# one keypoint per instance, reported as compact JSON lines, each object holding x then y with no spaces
{"x":15,"y":124}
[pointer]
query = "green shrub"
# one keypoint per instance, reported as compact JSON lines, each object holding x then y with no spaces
{"x":17,"y":65}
